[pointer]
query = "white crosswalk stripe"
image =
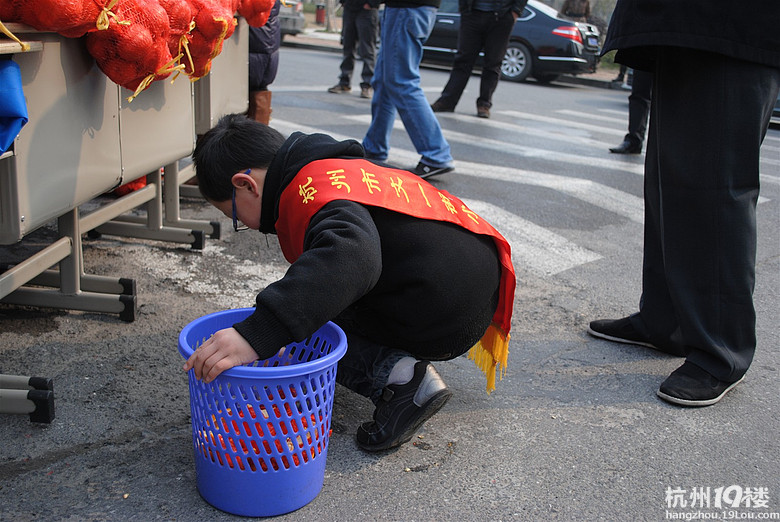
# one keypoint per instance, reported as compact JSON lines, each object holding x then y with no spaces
{"x":525,"y":151}
{"x":529,"y":116}
{"x":607,"y":198}
{"x":520,"y":128}
{"x":533,"y":247}
{"x":619,"y":119}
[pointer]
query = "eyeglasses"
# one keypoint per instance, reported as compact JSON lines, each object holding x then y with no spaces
{"x":236,"y":226}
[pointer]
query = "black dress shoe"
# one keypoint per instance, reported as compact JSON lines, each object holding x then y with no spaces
{"x":623,"y":331}
{"x":403,"y":408}
{"x":627,"y":147}
{"x":690,"y":385}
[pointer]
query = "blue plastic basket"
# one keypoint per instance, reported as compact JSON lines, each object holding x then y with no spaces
{"x":260,"y":432}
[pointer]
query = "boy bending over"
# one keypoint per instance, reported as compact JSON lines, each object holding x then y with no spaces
{"x":406,"y":270}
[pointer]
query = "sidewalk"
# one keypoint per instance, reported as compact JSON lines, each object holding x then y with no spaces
{"x":315,"y":37}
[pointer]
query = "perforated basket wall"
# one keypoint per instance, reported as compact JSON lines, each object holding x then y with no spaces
{"x":260,"y":432}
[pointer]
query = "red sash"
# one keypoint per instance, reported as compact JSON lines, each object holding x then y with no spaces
{"x":361,"y":181}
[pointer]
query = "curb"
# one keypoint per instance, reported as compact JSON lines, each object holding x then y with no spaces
{"x":314,"y":46}
{"x":592,"y":82}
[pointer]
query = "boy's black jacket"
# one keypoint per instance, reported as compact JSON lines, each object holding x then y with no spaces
{"x":412,"y":284}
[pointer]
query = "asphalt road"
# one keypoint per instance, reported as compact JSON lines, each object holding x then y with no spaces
{"x":573,"y":432}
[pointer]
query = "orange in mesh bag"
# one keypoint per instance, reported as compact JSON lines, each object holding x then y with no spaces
{"x":133,"y":51}
{"x":214,"y":23}
{"x":256,"y":12}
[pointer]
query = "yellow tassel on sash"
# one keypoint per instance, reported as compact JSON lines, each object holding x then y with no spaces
{"x":491,"y":351}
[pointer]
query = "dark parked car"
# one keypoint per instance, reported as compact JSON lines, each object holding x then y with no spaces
{"x":291,"y":17}
{"x":541,"y":45}
{"x":776,"y":112}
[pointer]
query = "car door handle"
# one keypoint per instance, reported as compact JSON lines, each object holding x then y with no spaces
{"x":446,"y":21}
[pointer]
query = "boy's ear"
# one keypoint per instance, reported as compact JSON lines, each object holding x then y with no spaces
{"x":242,"y":180}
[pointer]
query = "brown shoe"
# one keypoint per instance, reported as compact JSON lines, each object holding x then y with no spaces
{"x":483,"y":112}
{"x":340,"y":89}
{"x":366,"y":92}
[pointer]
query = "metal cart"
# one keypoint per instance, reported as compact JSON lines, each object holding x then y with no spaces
{"x":82,"y":140}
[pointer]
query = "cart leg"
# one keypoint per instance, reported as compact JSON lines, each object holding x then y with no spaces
{"x":163,"y":220}
{"x":27,"y":395}
{"x":103,"y":295}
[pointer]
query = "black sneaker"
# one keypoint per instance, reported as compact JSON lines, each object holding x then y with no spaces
{"x":689,"y":385}
{"x":403,"y":408}
{"x":426,"y":171}
{"x":623,"y":331}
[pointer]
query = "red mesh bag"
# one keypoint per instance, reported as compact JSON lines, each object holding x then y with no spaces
{"x":181,"y":18}
{"x":133,"y":51}
{"x":136,"y":42}
{"x":214,"y":23}
{"x":70,"y":18}
{"x":256,"y":12}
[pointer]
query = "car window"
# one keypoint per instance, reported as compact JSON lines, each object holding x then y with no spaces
{"x":527,"y":15}
{"x":448,"y":6}
{"x":544,"y":8}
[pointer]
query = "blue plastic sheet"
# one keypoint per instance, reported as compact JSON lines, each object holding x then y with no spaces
{"x":13,"y":108}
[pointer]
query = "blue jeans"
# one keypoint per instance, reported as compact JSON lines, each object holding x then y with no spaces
{"x":396,"y":86}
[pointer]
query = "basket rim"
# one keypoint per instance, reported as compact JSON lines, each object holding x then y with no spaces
{"x":302,"y":368}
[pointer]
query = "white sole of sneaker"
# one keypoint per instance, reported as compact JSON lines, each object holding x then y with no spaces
{"x":694,"y":403}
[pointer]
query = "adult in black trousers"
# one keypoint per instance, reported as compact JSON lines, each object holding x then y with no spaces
{"x":360,"y":28}
{"x":714,"y":86}
{"x":484,"y":24}
{"x":638,"y":114}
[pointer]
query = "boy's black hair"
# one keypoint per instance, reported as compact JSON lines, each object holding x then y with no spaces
{"x":234,"y":144}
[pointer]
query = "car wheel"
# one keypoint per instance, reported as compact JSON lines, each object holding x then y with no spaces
{"x":516,"y":65}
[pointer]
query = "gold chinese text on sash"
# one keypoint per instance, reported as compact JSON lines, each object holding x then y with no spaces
{"x":361,"y":181}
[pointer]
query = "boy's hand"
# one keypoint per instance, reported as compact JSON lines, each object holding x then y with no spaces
{"x":224,"y":350}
